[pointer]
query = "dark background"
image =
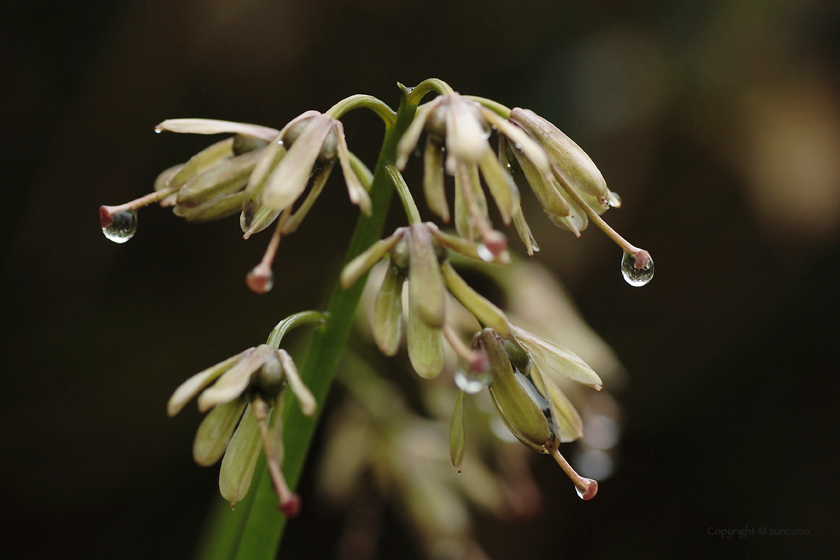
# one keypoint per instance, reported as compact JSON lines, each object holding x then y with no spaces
{"x":717,"y":122}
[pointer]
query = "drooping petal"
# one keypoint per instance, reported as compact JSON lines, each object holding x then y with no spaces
{"x":318,"y":183}
{"x":358,"y":194}
{"x":215,"y":432}
{"x":305,"y":399}
{"x":576,"y":167}
{"x":215,"y":209}
{"x":210,"y":126}
{"x":457,"y":433}
{"x":412,"y":134}
{"x":195,"y":384}
{"x":487,"y":314}
{"x":234,"y":382}
{"x":425,"y":283}
{"x":425,"y":346}
{"x":289,"y":179}
{"x":555,"y":357}
{"x":525,"y":232}
{"x":500,"y":183}
{"x":515,"y":403}
{"x":387,"y":313}
{"x":548,"y":195}
{"x":433,"y":185}
{"x":240,"y":459}
{"x":361,"y":264}
{"x":228,"y":177}
{"x":206,"y":159}
{"x":571,"y":426}
{"x":272,"y":155}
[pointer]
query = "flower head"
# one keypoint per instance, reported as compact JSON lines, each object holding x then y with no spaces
{"x":242,"y":394}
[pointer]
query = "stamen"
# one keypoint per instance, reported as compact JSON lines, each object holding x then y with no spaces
{"x":289,"y":502}
{"x":107,"y":212}
{"x":261,"y":277}
{"x":477,"y":360}
{"x":586,"y":487}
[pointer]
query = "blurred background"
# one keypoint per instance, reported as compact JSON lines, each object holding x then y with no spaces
{"x":717,"y":122}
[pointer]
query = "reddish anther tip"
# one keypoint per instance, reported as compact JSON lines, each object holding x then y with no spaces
{"x":105,"y":216}
{"x":260,"y":280}
{"x":291,"y":507}
{"x":591,"y":489}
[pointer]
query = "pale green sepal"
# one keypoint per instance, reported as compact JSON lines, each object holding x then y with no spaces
{"x":234,"y":382}
{"x":215,"y":431}
{"x":195,"y":384}
{"x":516,"y":407}
{"x":306,"y":400}
{"x":540,"y":382}
{"x":216,"y":209}
{"x":318,"y":182}
{"x":559,"y":359}
{"x":263,"y":218}
{"x":425,"y":347}
{"x":548,"y":195}
{"x":463,"y":221}
{"x":501,"y":185}
{"x":227,"y":177}
{"x":361,"y":264}
{"x":358,"y":194}
{"x":163,"y":180}
{"x":570,"y":160}
{"x":525,"y":232}
{"x":361,"y":170}
{"x":487,"y":314}
{"x":576,"y":221}
{"x":571,"y":425}
{"x":457,"y":433}
{"x":412,"y":134}
{"x":519,"y":138}
{"x":425,"y":284}
{"x":206,"y":159}
{"x":240,"y":459}
{"x":387,"y":313}
{"x":433,"y":183}
{"x":272,"y":155}
{"x":210,"y":126}
{"x":289,"y":179}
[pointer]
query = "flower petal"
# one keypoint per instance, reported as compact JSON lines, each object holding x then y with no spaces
{"x":500,"y":183}
{"x":425,"y":346}
{"x":433,"y":186}
{"x":425,"y":284}
{"x":387,"y":313}
{"x":571,"y":426}
{"x":240,"y":459}
{"x":466,"y":139}
{"x":234,"y":382}
{"x":210,"y":126}
{"x":557,"y":358}
{"x":306,"y":400}
{"x":524,"y":232}
{"x":457,"y":433}
{"x":206,"y":159}
{"x":228,"y":177}
{"x":412,"y":134}
{"x":215,"y":431}
{"x":358,"y":194}
{"x":361,"y":264}
{"x":195,"y":384}
{"x":289,"y":179}
{"x":318,"y":182}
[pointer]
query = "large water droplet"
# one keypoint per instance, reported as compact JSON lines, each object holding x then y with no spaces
{"x":635,"y":276}
{"x":484,"y":253}
{"x":613,"y":199}
{"x":122,"y":226}
{"x":469,"y":381}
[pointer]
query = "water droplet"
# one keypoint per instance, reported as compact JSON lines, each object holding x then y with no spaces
{"x":614,"y":200}
{"x":635,"y":276}
{"x":121,"y":227}
{"x":260,"y":279}
{"x":484,"y":253}
{"x":158,"y":130}
{"x":469,"y":381}
{"x":579,"y":492}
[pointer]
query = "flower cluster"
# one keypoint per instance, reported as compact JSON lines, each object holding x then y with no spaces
{"x":262,"y":174}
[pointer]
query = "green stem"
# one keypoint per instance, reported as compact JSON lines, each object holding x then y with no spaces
{"x":263,"y":528}
{"x":494,"y":106}
{"x":292,"y":321}
{"x":362,"y":101}
{"x":427,"y":86}
{"x":405,"y":195}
